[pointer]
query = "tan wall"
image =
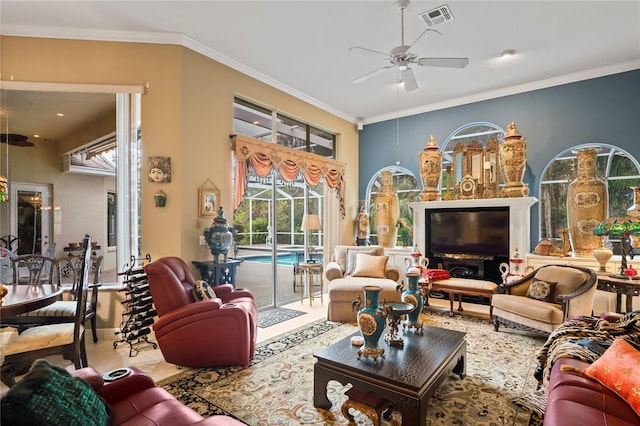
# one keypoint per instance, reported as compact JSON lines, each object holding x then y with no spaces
{"x":186,"y":115}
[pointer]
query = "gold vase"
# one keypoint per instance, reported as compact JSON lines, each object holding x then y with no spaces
{"x":386,"y":211}
{"x":430,"y":170}
{"x":513,"y":152}
{"x":587,"y":204}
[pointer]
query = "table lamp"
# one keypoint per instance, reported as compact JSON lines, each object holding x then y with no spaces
{"x":310,"y":223}
{"x":622,"y":228}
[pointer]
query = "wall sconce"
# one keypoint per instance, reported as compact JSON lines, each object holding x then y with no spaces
{"x":160,"y":198}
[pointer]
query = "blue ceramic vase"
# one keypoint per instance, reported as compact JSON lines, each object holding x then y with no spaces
{"x":371,"y":321}
{"x":219,"y":237}
{"x":413,"y":295}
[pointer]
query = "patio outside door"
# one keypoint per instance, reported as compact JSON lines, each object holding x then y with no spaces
{"x":30,"y":217}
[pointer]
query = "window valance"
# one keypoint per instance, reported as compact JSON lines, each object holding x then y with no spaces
{"x":263,"y":157}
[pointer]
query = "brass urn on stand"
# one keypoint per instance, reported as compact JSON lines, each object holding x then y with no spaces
{"x":430,"y":170}
{"x":587,"y":204}
{"x":386,"y":211}
{"x":513,"y":159}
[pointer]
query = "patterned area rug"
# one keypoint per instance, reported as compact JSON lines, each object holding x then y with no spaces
{"x":277,"y":388}
{"x":275,"y":316}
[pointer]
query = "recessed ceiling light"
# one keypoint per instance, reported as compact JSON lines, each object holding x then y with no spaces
{"x":36,"y":136}
{"x":507,"y":53}
{"x":60,"y":114}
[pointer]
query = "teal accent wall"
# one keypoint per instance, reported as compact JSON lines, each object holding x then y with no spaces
{"x":604,"y":109}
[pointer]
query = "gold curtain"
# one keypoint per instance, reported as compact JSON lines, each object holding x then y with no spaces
{"x":265,"y":156}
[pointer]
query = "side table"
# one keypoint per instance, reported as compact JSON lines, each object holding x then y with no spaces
{"x":308,"y":270}
{"x":218,"y":273}
{"x":620,"y":286}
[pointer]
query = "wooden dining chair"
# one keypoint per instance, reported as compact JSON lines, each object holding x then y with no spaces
{"x":34,"y":269}
{"x":66,"y":339}
{"x":62,"y":311}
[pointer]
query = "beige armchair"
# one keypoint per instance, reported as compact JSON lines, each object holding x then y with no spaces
{"x":545,"y":298}
{"x":350,"y":269}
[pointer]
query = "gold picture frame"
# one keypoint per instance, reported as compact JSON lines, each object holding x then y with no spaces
{"x":208,"y":201}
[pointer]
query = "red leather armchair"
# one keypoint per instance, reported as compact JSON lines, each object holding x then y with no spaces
{"x":214,"y":332}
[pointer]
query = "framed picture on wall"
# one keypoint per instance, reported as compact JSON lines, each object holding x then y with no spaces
{"x":209,"y":201}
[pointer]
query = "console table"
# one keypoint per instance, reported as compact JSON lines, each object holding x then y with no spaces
{"x":620,"y":286}
{"x":218,"y":273}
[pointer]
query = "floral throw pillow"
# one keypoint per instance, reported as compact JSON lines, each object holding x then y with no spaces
{"x":542,"y":290}
{"x":619,"y":370}
{"x":203,"y":291}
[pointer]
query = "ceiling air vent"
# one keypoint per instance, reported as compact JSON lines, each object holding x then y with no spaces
{"x":437,"y":16}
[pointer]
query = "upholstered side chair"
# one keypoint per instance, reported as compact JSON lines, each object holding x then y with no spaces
{"x":542,"y":300}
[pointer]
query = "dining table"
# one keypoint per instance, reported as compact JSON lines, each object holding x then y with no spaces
{"x":23,"y":298}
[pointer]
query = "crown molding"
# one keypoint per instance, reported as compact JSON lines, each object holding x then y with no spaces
{"x":167,"y":38}
{"x":188,"y":42}
{"x":513,"y":90}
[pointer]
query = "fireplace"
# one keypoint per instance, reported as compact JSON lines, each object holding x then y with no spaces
{"x":472,"y":237}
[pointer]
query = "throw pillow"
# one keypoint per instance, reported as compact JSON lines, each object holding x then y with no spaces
{"x":619,"y":370}
{"x":435,"y":274}
{"x":351,"y":258}
{"x":370,"y":266}
{"x":542,"y":290}
{"x":203,"y":291}
{"x":49,"y":395}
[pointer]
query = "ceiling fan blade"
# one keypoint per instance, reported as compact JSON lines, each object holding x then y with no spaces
{"x":409,"y":80}
{"x":368,"y":52}
{"x":443,"y":62}
{"x":371,"y":74}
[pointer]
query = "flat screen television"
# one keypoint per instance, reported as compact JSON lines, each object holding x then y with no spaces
{"x":477,"y":231}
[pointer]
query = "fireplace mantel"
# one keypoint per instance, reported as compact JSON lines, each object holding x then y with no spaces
{"x":519,"y":218}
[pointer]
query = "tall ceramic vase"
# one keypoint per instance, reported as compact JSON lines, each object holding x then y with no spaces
{"x":587,"y":204}
{"x":430,"y":170}
{"x":513,"y":159}
{"x":386,"y":211}
{"x":371,"y":322}
{"x":413,"y":296}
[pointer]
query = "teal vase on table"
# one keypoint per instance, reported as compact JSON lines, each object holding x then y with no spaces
{"x":371,"y":322}
{"x":413,"y":296}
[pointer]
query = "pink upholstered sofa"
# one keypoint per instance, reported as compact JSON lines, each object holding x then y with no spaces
{"x":214,"y":332}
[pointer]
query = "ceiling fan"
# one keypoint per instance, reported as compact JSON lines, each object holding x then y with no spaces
{"x":401,"y":57}
{"x":15,"y":139}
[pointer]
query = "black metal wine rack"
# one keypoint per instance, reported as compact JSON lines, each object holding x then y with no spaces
{"x":139,"y":311}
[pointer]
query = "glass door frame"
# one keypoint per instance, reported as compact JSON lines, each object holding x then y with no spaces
{"x":44,"y":207}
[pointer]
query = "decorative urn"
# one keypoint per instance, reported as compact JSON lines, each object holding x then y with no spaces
{"x":371,"y":322}
{"x":513,"y":160}
{"x":416,"y":263}
{"x":430,"y":170}
{"x":219,"y":237}
{"x":515,"y":270}
{"x":413,"y":296}
{"x":386,"y":211}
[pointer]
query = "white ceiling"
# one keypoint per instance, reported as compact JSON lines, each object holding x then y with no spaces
{"x":302,"y":47}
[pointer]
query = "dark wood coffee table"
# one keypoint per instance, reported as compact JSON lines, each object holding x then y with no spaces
{"x":407,"y":376}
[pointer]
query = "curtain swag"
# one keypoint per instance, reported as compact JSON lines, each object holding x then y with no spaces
{"x":263,"y":157}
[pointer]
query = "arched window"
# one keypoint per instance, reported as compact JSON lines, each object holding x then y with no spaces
{"x":408,"y":190}
{"x":615,"y":166}
{"x":470,"y":160}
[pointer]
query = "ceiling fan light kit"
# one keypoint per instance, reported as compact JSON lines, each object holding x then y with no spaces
{"x":402,"y":58}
